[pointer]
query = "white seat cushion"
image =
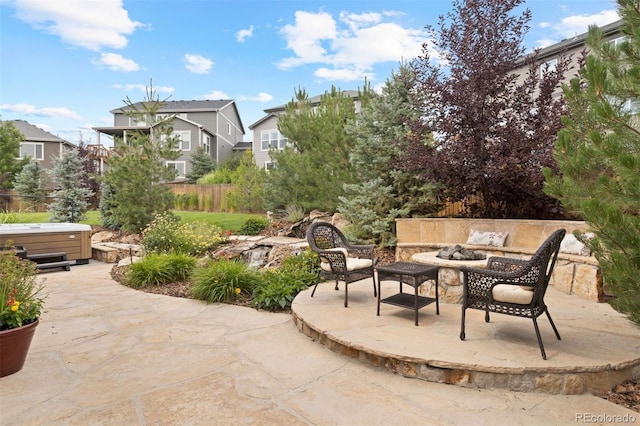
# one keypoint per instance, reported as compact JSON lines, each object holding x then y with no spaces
{"x":353,"y":263}
{"x":508,"y":293}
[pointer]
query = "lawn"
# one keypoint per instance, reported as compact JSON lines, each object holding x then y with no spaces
{"x":226,"y":221}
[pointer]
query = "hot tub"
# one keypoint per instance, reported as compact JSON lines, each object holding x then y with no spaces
{"x":40,"y":238}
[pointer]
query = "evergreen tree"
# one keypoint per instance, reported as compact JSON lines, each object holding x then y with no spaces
{"x":30,"y":183}
{"x":137,"y":168}
{"x":494,"y":131}
{"x":248,"y":186}
{"x":201,"y":164}
{"x":598,"y":153}
{"x":311,"y":171}
{"x":10,"y":166}
{"x":384,"y":192}
{"x":70,"y":197}
{"x":91,"y":171}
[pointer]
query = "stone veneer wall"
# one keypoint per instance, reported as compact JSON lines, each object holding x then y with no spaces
{"x":573,"y":274}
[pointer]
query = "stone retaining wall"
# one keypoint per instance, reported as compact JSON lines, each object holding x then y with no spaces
{"x":573,"y":274}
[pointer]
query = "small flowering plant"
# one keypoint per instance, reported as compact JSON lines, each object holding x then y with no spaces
{"x":20,"y":291}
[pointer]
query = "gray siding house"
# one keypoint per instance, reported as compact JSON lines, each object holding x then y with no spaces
{"x":266,"y":135}
{"x":573,"y":47}
{"x":39,"y":144}
{"x":214,"y":125}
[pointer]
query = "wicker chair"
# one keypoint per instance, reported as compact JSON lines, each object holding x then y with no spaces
{"x":340,"y":260}
{"x":513,"y":286}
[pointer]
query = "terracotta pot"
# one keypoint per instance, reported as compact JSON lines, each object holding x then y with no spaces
{"x":14,"y":345}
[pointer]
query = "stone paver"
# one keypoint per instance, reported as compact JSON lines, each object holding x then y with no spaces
{"x":108,"y":355}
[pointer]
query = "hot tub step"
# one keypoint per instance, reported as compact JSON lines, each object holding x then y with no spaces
{"x":50,"y":260}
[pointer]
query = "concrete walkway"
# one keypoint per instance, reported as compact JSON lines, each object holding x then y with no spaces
{"x":108,"y":355}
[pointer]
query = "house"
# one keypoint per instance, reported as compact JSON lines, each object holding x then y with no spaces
{"x":214,"y":125}
{"x":573,"y":47}
{"x":267,"y":136}
{"x":39,"y":144}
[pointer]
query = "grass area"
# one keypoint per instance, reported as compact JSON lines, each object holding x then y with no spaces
{"x":226,"y":221}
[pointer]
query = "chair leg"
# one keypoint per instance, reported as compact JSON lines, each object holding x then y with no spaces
{"x":337,"y":286}
{"x":314,"y":288}
{"x":375,"y":292}
{"x":486,"y":316}
{"x":346,"y":294}
{"x":535,"y":325}
{"x":553,"y":325}
{"x":462,"y":336}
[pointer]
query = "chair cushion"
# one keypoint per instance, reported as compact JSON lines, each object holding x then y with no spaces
{"x":353,"y":263}
{"x":509,"y":293}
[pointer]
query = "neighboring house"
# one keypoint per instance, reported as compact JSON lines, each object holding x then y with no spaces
{"x":266,"y":135}
{"x":214,"y":125}
{"x":39,"y":144}
{"x":548,"y":56}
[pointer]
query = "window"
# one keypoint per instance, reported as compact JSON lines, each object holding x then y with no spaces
{"x":269,"y":166}
{"x":179,"y":166}
{"x":207,"y":144}
{"x":33,"y":150}
{"x":228,"y":128}
{"x":617,"y":41}
{"x":184,"y":137}
{"x":272,"y":139}
{"x":134,"y":122}
{"x":548,"y":66}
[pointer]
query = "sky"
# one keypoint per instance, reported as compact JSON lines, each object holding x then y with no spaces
{"x":64,"y":64}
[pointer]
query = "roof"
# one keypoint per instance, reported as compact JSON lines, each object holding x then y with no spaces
{"x":207,"y":105}
{"x":243,"y":146}
{"x":576,"y":41}
{"x":315,"y":100}
{"x":32,"y":133}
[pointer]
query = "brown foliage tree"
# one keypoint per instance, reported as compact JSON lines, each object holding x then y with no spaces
{"x":495,"y":130}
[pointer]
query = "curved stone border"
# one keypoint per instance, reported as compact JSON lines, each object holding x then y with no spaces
{"x":553,"y":380}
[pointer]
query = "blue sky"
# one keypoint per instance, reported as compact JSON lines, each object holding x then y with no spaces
{"x":64,"y":64}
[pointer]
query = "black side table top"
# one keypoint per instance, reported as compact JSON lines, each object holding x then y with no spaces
{"x":407,"y":268}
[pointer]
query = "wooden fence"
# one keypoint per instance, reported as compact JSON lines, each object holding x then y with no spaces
{"x":207,"y":198}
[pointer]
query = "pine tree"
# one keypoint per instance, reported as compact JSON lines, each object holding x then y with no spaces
{"x":384,"y":192}
{"x":30,"y":183}
{"x":201,"y":164}
{"x":10,"y":166}
{"x":311,"y":171}
{"x":598,"y":153}
{"x":70,"y":196}
{"x":137,"y":168}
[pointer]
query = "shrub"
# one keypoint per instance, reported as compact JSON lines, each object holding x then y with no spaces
{"x":254,"y":226}
{"x":279,"y":287}
{"x":158,"y":269}
{"x":165,"y":234}
{"x":295,"y":213}
{"x":222,"y":280}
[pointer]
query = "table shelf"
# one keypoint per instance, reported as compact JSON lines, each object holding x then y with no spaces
{"x":406,"y":300}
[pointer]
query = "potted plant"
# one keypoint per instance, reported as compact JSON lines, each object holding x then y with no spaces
{"x":20,"y":307}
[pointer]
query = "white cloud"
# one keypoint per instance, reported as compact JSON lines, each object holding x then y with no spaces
{"x":242,"y":35}
{"x":349,"y":49}
{"x":143,"y":88}
{"x":28,"y":109}
{"x":117,"y":62}
{"x":572,"y":26}
{"x":93,"y":25}
{"x":261,"y":97}
{"x":198,"y":64}
{"x":215,"y":95}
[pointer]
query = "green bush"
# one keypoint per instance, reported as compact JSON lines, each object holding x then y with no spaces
{"x":222,"y":280}
{"x":166,"y":234}
{"x":158,"y":269}
{"x":295,"y":213}
{"x":254,"y":226}
{"x":279,"y":287}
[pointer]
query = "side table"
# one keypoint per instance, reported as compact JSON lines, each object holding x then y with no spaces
{"x":413,"y":274}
